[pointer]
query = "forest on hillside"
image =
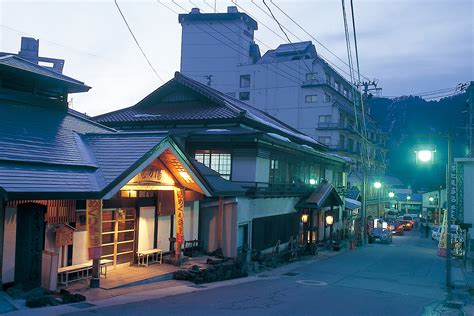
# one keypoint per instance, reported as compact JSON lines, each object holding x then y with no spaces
{"x":412,"y":122}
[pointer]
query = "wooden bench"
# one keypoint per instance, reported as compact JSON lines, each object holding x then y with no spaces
{"x":83,"y":271}
{"x":143,"y":256}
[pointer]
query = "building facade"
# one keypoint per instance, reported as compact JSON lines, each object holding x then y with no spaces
{"x":292,"y":83}
{"x":275,"y":164}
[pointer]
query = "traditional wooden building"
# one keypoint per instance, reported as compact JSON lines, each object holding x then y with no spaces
{"x":75,"y":188}
{"x":274,"y":163}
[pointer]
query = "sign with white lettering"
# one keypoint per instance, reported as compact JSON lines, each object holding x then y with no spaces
{"x":94,"y":228}
{"x":452,"y":193}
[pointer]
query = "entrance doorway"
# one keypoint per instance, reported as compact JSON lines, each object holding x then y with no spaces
{"x":118,"y":235}
{"x":29,"y":244}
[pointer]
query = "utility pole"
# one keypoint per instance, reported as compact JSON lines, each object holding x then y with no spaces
{"x":369,"y":86}
{"x":448,"y":222}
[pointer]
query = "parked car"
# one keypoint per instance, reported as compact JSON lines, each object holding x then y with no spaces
{"x":381,"y":235}
{"x":396,"y":227}
{"x":391,"y":215}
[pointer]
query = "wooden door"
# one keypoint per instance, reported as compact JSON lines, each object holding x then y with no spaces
{"x":29,"y":244}
{"x":118,"y":235}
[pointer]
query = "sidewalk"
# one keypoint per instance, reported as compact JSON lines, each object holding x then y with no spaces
{"x":98,"y":298}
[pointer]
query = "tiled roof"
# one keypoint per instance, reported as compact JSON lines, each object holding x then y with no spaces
{"x":212,"y":105}
{"x":18,"y":63}
{"x":219,"y":185}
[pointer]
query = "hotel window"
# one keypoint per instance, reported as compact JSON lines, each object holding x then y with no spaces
{"x":244,"y":96}
{"x":324,"y":118}
{"x":312,"y":98}
{"x":311,"y":76}
{"x":245,"y":81}
{"x":218,"y":160}
{"x":336,"y":85}
{"x":346,"y":93}
{"x":327,"y":97}
{"x":274,"y":173}
{"x":326,"y":140}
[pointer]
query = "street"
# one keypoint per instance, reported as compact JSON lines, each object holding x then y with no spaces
{"x":397,"y":279}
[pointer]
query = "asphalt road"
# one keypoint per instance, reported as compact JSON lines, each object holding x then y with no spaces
{"x":397,"y":279}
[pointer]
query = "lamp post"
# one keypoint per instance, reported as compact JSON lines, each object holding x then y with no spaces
{"x":329,"y":222}
{"x":378,"y":186}
{"x":426,"y":156}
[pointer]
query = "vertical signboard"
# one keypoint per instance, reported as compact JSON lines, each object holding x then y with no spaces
{"x":179,"y":218}
{"x":94,"y":228}
{"x":452,"y":193}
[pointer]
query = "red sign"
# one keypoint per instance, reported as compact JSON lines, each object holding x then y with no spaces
{"x":179,"y":216}
{"x":94,"y":228}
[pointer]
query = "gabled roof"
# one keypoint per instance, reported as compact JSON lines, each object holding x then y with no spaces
{"x":183,"y":100}
{"x":51,"y":153}
{"x":324,"y":195}
{"x":20,"y":66}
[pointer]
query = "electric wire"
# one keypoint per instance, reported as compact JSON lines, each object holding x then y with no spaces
{"x":313,"y":37}
{"x":286,"y":75}
{"x":136,"y":41}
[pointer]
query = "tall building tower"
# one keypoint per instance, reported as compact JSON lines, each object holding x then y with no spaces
{"x":214,"y":44}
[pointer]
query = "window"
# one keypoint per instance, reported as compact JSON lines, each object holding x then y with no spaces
{"x":327,"y":97}
{"x":244,"y":96}
{"x":217,"y":160}
{"x":326,"y":140}
{"x":336,"y":85}
{"x":346,"y":93}
{"x":273,"y":164}
{"x":312,"y":98}
{"x":328,"y":79}
{"x":324,"y":118}
{"x":342,"y":141}
{"x":245,"y":81}
{"x":311,"y":76}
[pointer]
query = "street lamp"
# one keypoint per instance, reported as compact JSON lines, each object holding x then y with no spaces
{"x":426,"y":156}
{"x":329,"y":222}
{"x":431,"y":198}
{"x":378,"y":185}
{"x":391,"y":195}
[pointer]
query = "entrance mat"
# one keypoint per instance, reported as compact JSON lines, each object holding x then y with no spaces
{"x":82,"y":305}
{"x":290,"y":274}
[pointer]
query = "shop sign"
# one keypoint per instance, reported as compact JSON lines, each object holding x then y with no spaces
{"x":452,"y":193}
{"x":94,"y":228}
{"x":153,"y":174}
{"x":179,"y":216}
{"x":64,"y":236}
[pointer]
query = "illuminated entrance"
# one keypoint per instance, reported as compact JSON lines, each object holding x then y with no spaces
{"x":118,"y":235}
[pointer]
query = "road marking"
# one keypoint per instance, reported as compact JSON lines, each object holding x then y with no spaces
{"x":311,"y":282}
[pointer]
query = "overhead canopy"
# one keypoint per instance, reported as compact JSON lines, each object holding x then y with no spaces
{"x":352,"y":204}
{"x":325,"y":195}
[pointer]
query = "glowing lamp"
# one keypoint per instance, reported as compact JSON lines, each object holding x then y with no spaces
{"x":377,"y":184}
{"x":312,"y":181}
{"x":329,"y":219}
{"x":304,"y":218}
{"x":391,"y":195}
{"x":431,"y":199}
{"x":424,"y":155}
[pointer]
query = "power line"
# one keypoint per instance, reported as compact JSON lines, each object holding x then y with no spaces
{"x":290,"y":78}
{"x":310,"y":35}
{"x":136,"y":41}
{"x":283,"y":31}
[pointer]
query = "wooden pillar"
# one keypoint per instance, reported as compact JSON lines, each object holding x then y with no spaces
{"x":220,"y":211}
{"x":179,"y":218}
{"x":94,"y":237}
{"x":2,"y":236}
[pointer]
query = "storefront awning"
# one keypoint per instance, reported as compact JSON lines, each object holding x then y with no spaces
{"x":325,"y":195}
{"x":352,"y":204}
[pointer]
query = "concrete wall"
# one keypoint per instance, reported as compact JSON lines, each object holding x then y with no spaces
{"x":9,"y":245}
